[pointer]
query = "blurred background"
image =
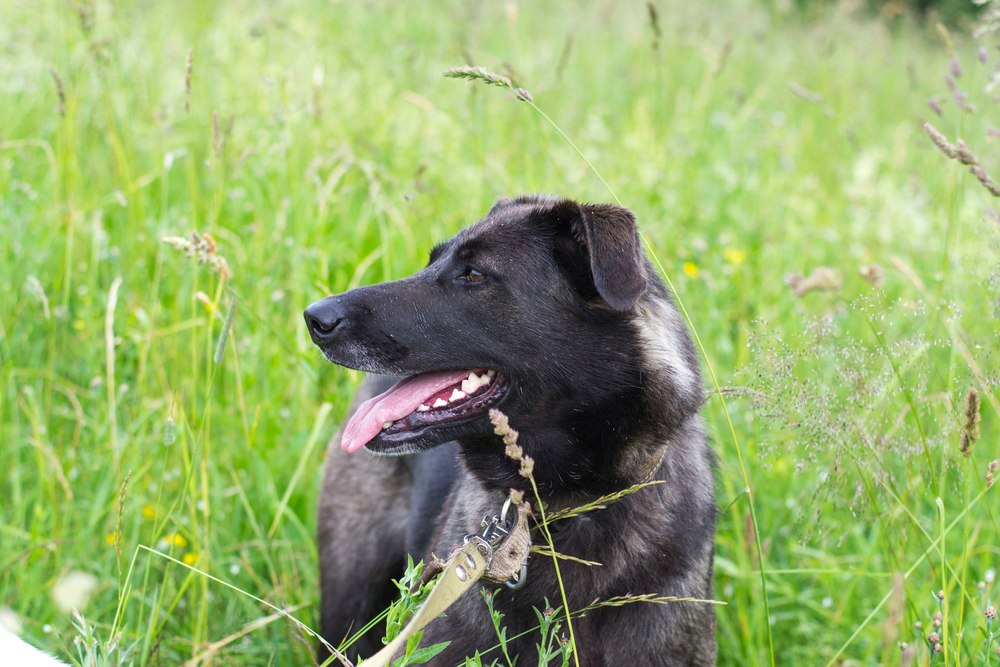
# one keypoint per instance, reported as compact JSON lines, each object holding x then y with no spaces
{"x":163,"y":415}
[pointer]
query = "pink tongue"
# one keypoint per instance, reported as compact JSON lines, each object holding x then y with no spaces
{"x":402,"y":399}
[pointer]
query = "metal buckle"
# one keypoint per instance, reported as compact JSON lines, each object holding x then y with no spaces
{"x":494,"y":531}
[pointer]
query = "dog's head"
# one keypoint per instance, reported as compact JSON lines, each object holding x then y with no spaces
{"x":542,"y":309}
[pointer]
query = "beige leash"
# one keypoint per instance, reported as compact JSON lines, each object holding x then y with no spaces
{"x":498,"y":554}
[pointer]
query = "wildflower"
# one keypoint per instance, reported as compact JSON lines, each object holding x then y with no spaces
{"x":72,"y":591}
{"x":938,"y":648}
{"x":111,"y":538}
{"x":990,"y":471}
{"x":690,"y":269}
{"x":169,"y":432}
{"x":191,"y":557}
{"x":734,"y":255}
{"x":918,"y":626}
{"x":933,"y":638}
{"x":175,"y":540}
{"x":10,"y":621}
{"x":940,"y":596}
{"x":148,"y":512}
{"x":991,"y":614}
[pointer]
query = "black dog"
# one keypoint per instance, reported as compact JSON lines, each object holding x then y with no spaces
{"x":549,"y":311}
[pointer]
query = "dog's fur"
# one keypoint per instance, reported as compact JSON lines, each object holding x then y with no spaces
{"x":603,"y":384}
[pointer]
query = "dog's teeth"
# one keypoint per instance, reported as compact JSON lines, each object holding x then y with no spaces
{"x":456,"y":395}
{"x":491,"y":373}
{"x":440,"y":403}
{"x":386,"y":424}
{"x":423,"y":408}
{"x":484,"y":380}
{"x":469,"y":386}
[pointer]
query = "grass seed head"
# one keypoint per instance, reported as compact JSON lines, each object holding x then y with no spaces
{"x":822,"y":279}
{"x":203,"y":248}
{"x":60,"y":91}
{"x":940,"y":141}
{"x":873,"y":274}
{"x":490,"y":78}
{"x":972,"y":403}
{"x":482,"y":74}
{"x":188,"y":71}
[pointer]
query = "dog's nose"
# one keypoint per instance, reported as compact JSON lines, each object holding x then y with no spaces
{"x":323,"y":318}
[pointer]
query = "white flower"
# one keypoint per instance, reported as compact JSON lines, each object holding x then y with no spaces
{"x":10,"y":621}
{"x":73,"y":590}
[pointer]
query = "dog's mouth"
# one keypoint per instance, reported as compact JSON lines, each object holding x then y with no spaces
{"x":405,"y":412}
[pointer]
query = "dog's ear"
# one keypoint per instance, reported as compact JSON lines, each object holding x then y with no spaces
{"x":609,"y":237}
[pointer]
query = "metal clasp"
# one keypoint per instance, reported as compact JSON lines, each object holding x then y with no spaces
{"x":494,"y":531}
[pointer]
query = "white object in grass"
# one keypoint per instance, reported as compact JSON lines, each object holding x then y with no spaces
{"x":15,"y":651}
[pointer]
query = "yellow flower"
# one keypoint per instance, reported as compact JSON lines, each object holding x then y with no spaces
{"x":690,"y":269}
{"x":79,"y":325}
{"x":734,"y":255}
{"x":110,"y":538}
{"x":191,"y":558}
{"x":176,"y":540}
{"x":148,"y":512}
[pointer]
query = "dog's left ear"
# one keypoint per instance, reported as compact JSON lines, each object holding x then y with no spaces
{"x":610,"y":237}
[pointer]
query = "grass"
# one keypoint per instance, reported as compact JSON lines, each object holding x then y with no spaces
{"x":321,"y":149}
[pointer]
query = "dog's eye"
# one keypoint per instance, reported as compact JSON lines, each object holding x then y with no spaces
{"x":473,"y":275}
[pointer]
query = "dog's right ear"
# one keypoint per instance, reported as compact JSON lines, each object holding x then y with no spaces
{"x":609,"y":239}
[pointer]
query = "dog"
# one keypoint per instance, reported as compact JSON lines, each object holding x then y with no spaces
{"x":549,"y":311}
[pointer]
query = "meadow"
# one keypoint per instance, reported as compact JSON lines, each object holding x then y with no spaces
{"x":163,"y":417}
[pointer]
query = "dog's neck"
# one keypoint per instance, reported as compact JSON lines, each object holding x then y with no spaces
{"x":593,"y":466}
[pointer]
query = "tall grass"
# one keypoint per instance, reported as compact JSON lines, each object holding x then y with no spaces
{"x":320,"y":149}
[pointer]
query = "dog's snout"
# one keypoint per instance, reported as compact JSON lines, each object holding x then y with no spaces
{"x":323,"y":318}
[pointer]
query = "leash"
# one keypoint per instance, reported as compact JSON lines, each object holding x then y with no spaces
{"x":498,"y":554}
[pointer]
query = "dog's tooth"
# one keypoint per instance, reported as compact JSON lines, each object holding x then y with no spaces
{"x":469,"y":386}
{"x":456,"y":395}
{"x":423,"y":408}
{"x":386,"y":424}
{"x":440,"y":403}
{"x":491,"y":373}
{"x":484,"y":380}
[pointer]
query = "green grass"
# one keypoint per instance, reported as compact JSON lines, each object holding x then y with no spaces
{"x":322,"y":149}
